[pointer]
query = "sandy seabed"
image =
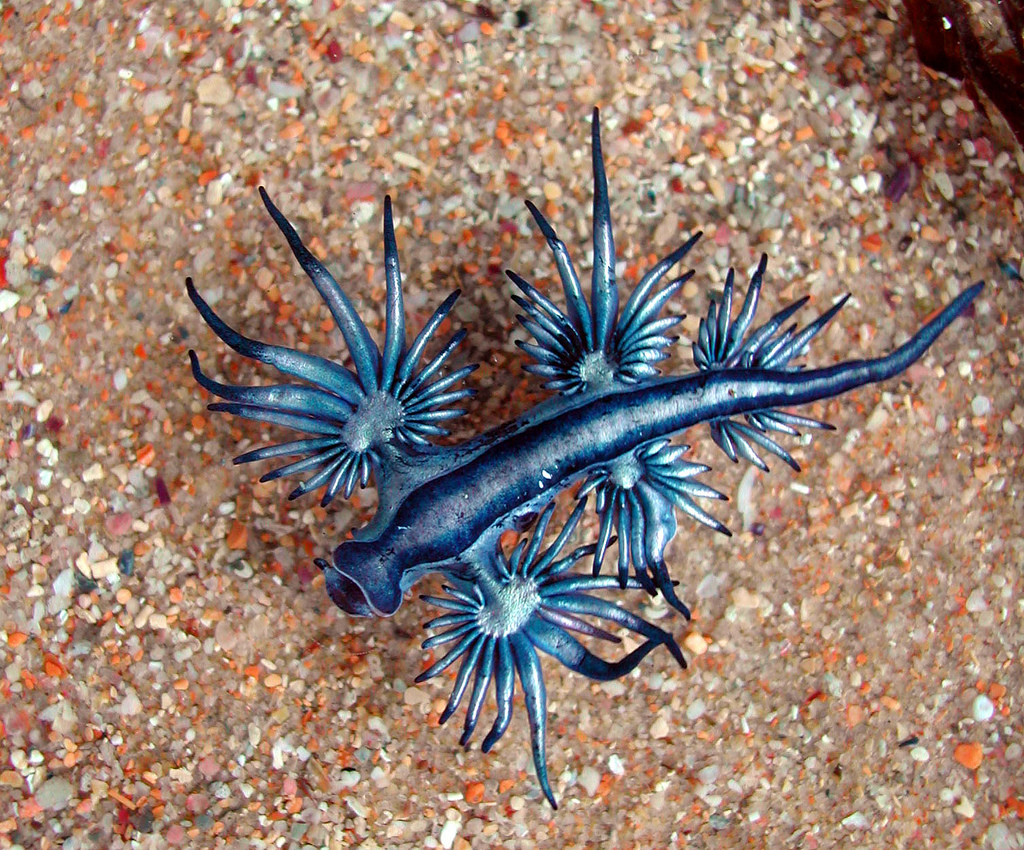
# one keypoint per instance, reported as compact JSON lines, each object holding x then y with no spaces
{"x":171,"y":671}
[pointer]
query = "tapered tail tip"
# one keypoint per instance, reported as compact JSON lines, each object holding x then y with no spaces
{"x":972,"y":292}
{"x":919,"y":343}
{"x":951,"y":311}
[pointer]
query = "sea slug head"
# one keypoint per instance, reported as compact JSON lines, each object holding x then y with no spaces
{"x":365,"y":579}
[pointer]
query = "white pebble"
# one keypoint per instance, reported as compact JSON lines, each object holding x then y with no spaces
{"x":8,"y":299}
{"x":919,"y":754}
{"x":79,"y":187}
{"x":448,"y":833}
{"x":64,"y":583}
{"x":696,"y":643}
{"x":615,"y":765}
{"x":93,"y":473}
{"x":965,"y":808}
{"x":469,"y":32}
{"x":215,"y":193}
{"x":976,"y":601}
{"x":590,"y":779}
{"x":156,"y":102}
{"x":659,"y":728}
{"x":54,"y":793}
{"x":215,"y":91}
{"x":614,"y":688}
{"x":415,"y":696}
{"x":980,"y":405}
{"x":695,"y":709}
{"x":743,"y":598}
{"x":998,"y":837}
{"x":708,"y":775}
{"x":982,"y":708}
{"x":131,"y":704}
{"x":944,"y":185}
{"x":856,"y":821}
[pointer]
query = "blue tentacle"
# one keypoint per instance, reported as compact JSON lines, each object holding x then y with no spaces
{"x":552,"y":614}
{"x":286,"y":398}
{"x":604,"y":293}
{"x":308,"y":367}
{"x":462,"y":678}
{"x":304,"y":424}
{"x":415,"y":352}
{"x":504,"y":691}
{"x":579,"y":312}
{"x":365,"y":353}
{"x":639,"y":297}
{"x":394,"y":336}
{"x":314,"y":461}
{"x":295,"y":447}
{"x":484,"y":671}
{"x":530,"y":675}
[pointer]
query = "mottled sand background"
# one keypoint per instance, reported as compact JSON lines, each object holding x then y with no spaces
{"x":856,"y":647}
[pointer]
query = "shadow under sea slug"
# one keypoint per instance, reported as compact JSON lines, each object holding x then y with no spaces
{"x":443,"y":509}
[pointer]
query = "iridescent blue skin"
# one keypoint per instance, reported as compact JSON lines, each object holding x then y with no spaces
{"x":444,"y":508}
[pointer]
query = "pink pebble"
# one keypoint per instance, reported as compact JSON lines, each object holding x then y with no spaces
{"x":197,"y":803}
{"x":918,"y":372}
{"x":119,"y":523}
{"x":362,"y":191}
{"x":209,"y":767}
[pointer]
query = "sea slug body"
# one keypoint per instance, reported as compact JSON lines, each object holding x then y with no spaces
{"x":606,"y":431}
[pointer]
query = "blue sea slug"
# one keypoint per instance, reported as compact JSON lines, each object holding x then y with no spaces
{"x":606,"y":428}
